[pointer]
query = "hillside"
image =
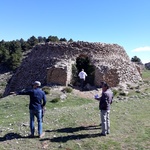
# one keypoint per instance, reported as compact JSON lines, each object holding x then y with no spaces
{"x":73,"y":122}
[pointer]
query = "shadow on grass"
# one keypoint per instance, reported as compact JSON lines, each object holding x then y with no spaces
{"x":75,"y":129}
{"x":73,"y":137}
{"x":11,"y":136}
{"x":85,"y":89}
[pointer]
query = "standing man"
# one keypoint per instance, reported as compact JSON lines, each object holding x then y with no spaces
{"x":104,"y":106}
{"x":37,"y":103}
{"x":82,"y":75}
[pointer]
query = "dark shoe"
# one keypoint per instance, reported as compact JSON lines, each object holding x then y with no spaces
{"x":31,"y":136}
{"x":108,"y":133}
{"x":100,"y":124}
{"x":101,"y":134}
{"x":42,"y":135}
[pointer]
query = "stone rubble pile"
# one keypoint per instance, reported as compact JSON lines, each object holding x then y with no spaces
{"x":52,"y":63}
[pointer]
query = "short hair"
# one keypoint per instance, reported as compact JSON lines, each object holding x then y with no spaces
{"x":105,"y":85}
{"x":102,"y":82}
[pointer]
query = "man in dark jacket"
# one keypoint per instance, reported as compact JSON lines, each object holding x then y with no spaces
{"x":104,"y":106}
{"x":37,"y":103}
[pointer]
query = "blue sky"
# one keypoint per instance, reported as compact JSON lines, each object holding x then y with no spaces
{"x":123,"y":22}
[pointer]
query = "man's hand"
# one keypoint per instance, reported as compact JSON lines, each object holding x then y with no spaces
{"x":97,"y":97}
{"x":13,"y":93}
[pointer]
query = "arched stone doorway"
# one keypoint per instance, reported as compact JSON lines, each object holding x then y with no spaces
{"x":83,"y":62}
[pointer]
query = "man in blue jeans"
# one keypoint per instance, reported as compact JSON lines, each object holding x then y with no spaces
{"x":37,"y":104}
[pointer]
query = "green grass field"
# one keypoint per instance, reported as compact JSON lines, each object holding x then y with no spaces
{"x":73,"y":124}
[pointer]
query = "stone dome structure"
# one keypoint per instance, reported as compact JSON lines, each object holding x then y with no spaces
{"x":52,"y":63}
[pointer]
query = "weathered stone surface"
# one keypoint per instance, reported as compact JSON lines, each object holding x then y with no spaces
{"x":52,"y":63}
{"x":57,"y":75}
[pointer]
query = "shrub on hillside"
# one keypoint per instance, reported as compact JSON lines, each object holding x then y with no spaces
{"x":55,"y":100}
{"x":46,"y":89}
{"x":115,"y":92}
{"x":123,"y":93}
{"x":67,"y":89}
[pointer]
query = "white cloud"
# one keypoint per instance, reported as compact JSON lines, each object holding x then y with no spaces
{"x":142,"y":49}
{"x":145,"y":60}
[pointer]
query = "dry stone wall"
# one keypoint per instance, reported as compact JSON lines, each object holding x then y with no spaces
{"x":52,"y":63}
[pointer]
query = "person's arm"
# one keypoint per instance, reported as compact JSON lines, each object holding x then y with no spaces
{"x":44,"y":100}
{"x":22,"y":92}
{"x":79,"y":74}
{"x":111,"y":99}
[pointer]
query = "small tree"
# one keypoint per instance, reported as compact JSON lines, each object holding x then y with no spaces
{"x":52,"y":39}
{"x":32,"y":41}
{"x":4,"y":54}
{"x":136,"y":59}
{"x":71,"y":40}
{"x":63,"y":40}
{"x":15,"y":60}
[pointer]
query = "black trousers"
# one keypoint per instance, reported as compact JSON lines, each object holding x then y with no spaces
{"x":82,"y":83}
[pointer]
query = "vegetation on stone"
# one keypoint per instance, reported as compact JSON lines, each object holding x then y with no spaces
{"x":46,"y":89}
{"x":55,"y":100}
{"x":67,"y":89}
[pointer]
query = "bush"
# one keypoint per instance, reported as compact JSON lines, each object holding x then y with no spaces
{"x":115,"y":92}
{"x":122,"y":94}
{"x":55,"y":100}
{"x":74,"y":75}
{"x":67,"y":90}
{"x":2,"y":84}
{"x":46,"y":89}
{"x":136,"y":59}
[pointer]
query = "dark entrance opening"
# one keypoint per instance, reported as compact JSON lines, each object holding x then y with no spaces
{"x":83,"y":62}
